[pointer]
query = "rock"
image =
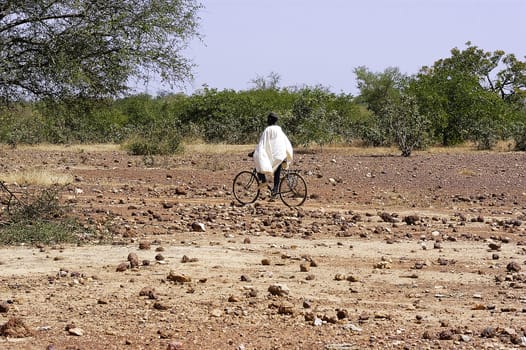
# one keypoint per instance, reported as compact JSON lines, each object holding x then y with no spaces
{"x":339,"y":277}
{"x":494,"y":246}
{"x":352,"y":327}
{"x":122,"y":267}
{"x":4,"y":307}
{"x":174,"y":346}
{"x":305,"y":267}
{"x":265,"y":262}
{"x":513,"y":267}
{"x":15,"y":328}
{"x":198,"y":227}
{"x":172,"y":276}
{"x":387,"y":217}
{"x":76,"y":331}
{"x":342,"y":314}
{"x":233,"y":299}
{"x":186,"y":259}
{"x":245,"y":278}
{"x":382,"y":265}
{"x":216,"y":312}
{"x":286,"y":308}
{"x":488,"y":332}
{"x":353,"y":279}
{"x":160,"y":306}
{"x":144,"y":245}
{"x":427,"y":335}
{"x":149,"y":292}
{"x":465,"y":338}
{"x":445,"y":335}
{"x":278,"y":289}
{"x":411,"y":219}
{"x":133,"y":259}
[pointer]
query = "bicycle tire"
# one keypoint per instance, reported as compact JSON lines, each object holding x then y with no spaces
{"x":293,"y":189}
{"x":245,"y":187}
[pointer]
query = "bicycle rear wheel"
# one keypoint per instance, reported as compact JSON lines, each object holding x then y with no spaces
{"x":246,"y":187}
{"x":292,"y":189}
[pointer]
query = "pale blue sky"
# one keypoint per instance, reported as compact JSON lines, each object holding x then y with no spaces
{"x":311,"y":42}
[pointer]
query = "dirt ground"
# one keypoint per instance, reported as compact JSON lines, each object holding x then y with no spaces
{"x":425,"y":252}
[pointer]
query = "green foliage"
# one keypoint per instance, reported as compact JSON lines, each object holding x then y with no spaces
{"x":40,"y":219}
{"x":405,"y":125}
{"x":462,"y":98}
{"x":158,"y":139}
{"x":311,"y":117}
{"x":91,"y":48}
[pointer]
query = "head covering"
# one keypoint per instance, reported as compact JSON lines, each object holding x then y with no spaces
{"x":272,"y":118}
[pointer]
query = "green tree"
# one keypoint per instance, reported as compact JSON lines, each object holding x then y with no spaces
{"x":378,"y":90}
{"x":461,"y":94}
{"x":58,"y":48}
{"x":405,"y":125}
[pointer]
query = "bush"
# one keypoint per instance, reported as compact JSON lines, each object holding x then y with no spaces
{"x":40,"y":219}
{"x":156,"y":141}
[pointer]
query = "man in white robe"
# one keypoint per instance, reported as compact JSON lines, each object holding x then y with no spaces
{"x":272,"y":150}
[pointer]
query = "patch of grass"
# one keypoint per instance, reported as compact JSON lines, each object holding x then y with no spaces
{"x":42,"y":231}
{"x":41,"y":218}
{"x":218,"y":148}
{"x":37,"y":176}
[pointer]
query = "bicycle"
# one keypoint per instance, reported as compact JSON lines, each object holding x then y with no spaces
{"x":292,"y":187}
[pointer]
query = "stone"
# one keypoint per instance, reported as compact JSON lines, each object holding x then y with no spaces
{"x":133,"y":259}
{"x":286,"y":308}
{"x":15,"y":328}
{"x":122,"y":267}
{"x":144,"y":245}
{"x":411,"y":219}
{"x":513,"y":267}
{"x":76,"y":331}
{"x":278,"y":289}
{"x":488,"y":332}
{"x":178,"y":278}
{"x":198,"y":227}
{"x":4,"y":307}
{"x":494,"y":246}
{"x":160,"y":306}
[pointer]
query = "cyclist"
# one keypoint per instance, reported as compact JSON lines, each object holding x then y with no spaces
{"x":273,"y":151}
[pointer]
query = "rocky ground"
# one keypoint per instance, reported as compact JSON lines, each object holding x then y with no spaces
{"x":425,"y":252}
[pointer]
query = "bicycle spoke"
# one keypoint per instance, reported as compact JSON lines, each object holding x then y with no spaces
{"x":293,"y":189}
{"x":245,"y":187}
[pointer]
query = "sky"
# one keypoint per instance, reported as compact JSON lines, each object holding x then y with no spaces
{"x":315,"y":42}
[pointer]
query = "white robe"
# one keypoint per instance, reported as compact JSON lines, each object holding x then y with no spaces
{"x":273,"y":148}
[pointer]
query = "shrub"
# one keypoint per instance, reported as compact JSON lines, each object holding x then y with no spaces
{"x":40,"y":219}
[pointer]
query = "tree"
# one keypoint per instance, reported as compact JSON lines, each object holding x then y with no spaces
{"x":270,"y":82}
{"x":377,"y":91}
{"x":472,"y":95}
{"x":405,"y":125}
{"x":91,"y":48}
{"x":377,"y":88}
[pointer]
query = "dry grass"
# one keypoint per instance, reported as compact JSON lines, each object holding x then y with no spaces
{"x":37,"y":176}
{"x":219,"y":148}
{"x":74,"y":147}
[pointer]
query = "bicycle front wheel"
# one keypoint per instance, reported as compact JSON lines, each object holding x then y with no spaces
{"x":292,"y":190}
{"x":246,"y":187}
